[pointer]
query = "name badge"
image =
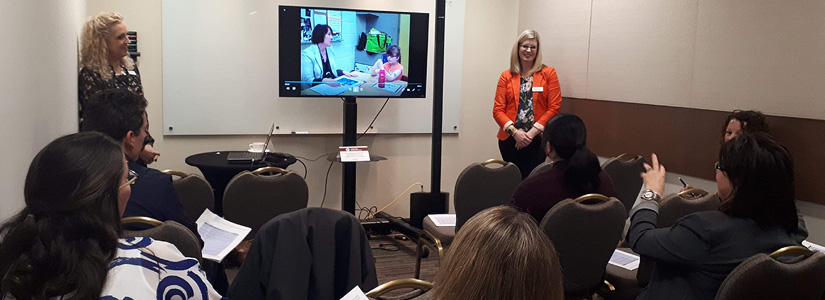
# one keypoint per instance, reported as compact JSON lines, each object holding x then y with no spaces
{"x":132,"y":72}
{"x":538,"y":89}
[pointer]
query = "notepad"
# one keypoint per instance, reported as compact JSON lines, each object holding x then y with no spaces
{"x":219,"y":235}
{"x":812,"y":246}
{"x":624,"y":260}
{"x":443,"y":219}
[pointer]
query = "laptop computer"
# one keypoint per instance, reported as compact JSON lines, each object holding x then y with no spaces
{"x":240,"y":157}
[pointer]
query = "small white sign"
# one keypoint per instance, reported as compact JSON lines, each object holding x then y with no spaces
{"x":354,"y":153}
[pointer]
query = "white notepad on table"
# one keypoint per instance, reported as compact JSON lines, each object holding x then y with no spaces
{"x":624,"y":260}
{"x":443,"y":219}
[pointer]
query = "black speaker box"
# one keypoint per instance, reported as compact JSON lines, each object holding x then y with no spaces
{"x":422,"y":204}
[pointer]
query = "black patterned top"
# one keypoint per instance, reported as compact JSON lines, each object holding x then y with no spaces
{"x":90,"y":82}
{"x":525,"y":117}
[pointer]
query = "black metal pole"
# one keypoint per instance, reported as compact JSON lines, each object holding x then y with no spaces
{"x":348,"y":175}
{"x":438,"y":101}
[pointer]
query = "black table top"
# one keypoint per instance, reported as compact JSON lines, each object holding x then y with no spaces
{"x":217,"y":160}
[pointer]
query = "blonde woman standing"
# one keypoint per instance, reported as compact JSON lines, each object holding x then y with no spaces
{"x":105,"y":64}
{"x":527,"y":96}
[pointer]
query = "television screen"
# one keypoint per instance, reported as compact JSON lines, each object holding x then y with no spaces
{"x":336,"y":52}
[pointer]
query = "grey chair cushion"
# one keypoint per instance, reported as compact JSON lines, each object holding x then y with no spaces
{"x":585,"y":236}
{"x":541,"y":168}
{"x":443,"y":233}
{"x":195,"y":194}
{"x":626,"y":179}
{"x":252,"y":200}
{"x":762,"y":277}
{"x":174,"y":233}
{"x":479,"y":187}
{"x":673,"y":207}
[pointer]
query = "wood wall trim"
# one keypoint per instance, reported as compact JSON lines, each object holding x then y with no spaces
{"x":687,"y":139}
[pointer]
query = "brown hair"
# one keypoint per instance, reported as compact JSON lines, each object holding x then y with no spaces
{"x":500,"y":253}
{"x":515,"y":61}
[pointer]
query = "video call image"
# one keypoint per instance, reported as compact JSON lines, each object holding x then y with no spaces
{"x":354,"y":53}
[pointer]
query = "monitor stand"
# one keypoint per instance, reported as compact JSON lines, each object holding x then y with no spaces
{"x":350,"y":136}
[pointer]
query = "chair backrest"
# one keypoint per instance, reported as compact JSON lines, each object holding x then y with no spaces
{"x":194,"y":193}
{"x":253,"y":199}
{"x":541,"y":168}
{"x":481,"y":186}
{"x":585,"y":232}
{"x":775,"y":277}
{"x":171,"y":232}
{"x":624,"y":171}
{"x":675,"y":206}
{"x":311,"y":253}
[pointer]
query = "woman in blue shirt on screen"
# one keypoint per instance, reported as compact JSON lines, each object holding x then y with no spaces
{"x":318,"y":60}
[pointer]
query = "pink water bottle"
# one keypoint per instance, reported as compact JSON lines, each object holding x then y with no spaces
{"x":382,"y":77}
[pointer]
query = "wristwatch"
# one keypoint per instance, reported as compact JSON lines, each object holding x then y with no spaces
{"x":511,"y":130}
{"x":651,"y":195}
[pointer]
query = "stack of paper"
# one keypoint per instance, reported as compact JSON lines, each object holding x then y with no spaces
{"x":443,"y":219}
{"x":219,"y":235}
{"x":624,"y":260}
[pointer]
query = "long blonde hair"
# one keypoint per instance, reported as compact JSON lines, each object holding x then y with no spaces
{"x":94,"y":53}
{"x":515,"y":61}
{"x":500,"y":253}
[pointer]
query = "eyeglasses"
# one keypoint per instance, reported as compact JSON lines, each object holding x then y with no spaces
{"x":528,"y":47}
{"x":718,"y":167}
{"x":130,"y":179}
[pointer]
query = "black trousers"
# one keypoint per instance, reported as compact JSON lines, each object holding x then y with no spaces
{"x":527,"y":158}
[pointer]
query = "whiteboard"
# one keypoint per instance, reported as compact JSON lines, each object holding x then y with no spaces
{"x":220,"y":73}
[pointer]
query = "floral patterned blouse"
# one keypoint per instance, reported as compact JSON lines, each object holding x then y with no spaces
{"x":90,"y":82}
{"x":525,"y":117}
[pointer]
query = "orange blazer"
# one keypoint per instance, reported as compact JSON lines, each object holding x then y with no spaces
{"x":546,"y":103}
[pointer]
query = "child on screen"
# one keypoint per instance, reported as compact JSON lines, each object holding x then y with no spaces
{"x":393,"y":68}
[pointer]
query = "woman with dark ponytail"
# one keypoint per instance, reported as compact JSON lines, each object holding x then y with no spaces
{"x":64,"y":244}
{"x":575,"y":170}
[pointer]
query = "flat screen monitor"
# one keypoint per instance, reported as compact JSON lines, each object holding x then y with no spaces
{"x":337,"y":52}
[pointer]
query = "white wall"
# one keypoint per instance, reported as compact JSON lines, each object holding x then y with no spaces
{"x":38,"y":85}
{"x":706,"y":54}
{"x":478,"y":63}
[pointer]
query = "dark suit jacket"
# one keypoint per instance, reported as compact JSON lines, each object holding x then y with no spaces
{"x":154,"y":196}
{"x":311,"y":253}
{"x":694,"y":256}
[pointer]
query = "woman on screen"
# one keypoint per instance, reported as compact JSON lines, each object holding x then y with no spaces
{"x":318,"y":60}
{"x":64,"y":244}
{"x":105,"y":64}
{"x":527,"y":96}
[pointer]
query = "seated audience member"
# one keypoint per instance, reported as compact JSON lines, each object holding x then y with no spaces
{"x":575,"y":170}
{"x":743,"y":121}
{"x":500,"y":254}
{"x":121,"y":115}
{"x":392,"y":68}
{"x":757,"y":215}
{"x":64,"y":243}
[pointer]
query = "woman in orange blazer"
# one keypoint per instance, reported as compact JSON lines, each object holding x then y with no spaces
{"x":527,"y":96}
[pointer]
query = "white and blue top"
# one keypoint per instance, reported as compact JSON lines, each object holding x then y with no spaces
{"x":149,"y":269}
